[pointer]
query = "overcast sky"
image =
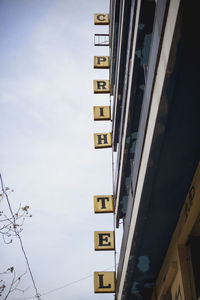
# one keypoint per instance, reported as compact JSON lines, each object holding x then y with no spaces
{"x":47,"y":154}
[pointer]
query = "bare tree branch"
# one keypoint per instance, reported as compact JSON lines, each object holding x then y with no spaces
{"x":14,"y":284}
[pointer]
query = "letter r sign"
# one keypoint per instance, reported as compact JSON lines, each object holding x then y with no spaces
{"x":101,"y":86}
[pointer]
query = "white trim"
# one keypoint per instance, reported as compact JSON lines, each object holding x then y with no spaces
{"x":162,"y":67}
{"x":118,"y":56}
{"x":111,"y":32}
{"x":127,"y":106}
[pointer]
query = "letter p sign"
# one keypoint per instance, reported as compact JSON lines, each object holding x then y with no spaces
{"x":101,"y":62}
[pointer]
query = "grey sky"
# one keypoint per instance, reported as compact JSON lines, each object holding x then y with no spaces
{"x":47,"y":154}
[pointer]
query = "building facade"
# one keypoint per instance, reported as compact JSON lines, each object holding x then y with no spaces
{"x":154,"y":84}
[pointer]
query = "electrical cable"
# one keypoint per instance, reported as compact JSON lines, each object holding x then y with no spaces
{"x":63,"y":286}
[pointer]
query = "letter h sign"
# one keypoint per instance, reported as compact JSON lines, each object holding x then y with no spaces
{"x":102,"y":140}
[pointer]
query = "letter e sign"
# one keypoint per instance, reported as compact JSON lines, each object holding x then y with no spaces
{"x":104,"y":240}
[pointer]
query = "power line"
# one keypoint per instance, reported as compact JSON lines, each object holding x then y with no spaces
{"x":37,"y":295}
{"x":63,"y":286}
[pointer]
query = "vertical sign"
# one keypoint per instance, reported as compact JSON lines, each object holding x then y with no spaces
{"x":104,"y":282}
